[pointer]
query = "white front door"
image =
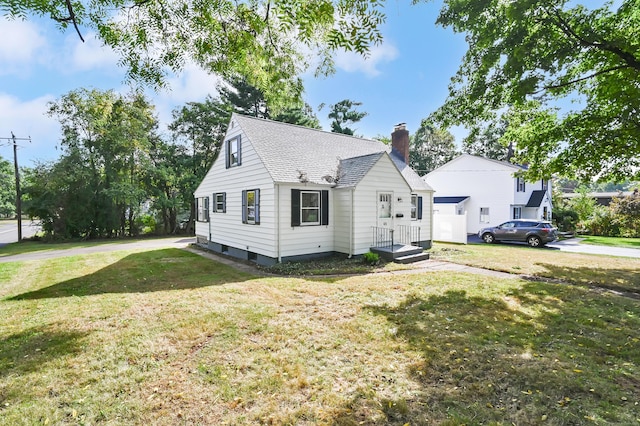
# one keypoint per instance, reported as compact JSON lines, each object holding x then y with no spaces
{"x":385,"y":210}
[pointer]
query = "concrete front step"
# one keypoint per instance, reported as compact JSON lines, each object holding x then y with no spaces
{"x":411,"y":258}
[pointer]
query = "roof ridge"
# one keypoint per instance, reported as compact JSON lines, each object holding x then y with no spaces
{"x":244,"y":116}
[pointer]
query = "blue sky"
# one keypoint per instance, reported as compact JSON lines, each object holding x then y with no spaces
{"x":403,"y":80}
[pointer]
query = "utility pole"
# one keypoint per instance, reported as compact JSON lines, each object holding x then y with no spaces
{"x":13,"y":139}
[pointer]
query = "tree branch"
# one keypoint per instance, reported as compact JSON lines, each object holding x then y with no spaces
{"x":70,"y":18}
{"x":578,"y":80}
{"x":628,"y":58}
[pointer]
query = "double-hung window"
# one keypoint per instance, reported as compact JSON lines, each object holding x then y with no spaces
{"x":520,"y":186}
{"x":219,"y":202}
{"x":484,"y":214}
{"x":233,"y":152}
{"x":251,"y":206}
{"x":309,"y":207}
{"x":202,"y":209}
{"x":517,"y":212}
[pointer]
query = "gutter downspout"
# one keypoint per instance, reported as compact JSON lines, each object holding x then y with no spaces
{"x":351,"y":229}
{"x":277,"y":206}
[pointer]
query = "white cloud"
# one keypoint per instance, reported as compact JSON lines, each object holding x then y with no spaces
{"x":90,"y":55}
{"x":19,"y":45}
{"x":29,"y":119}
{"x":354,"y":62}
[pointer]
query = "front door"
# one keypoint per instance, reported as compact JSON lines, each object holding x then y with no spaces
{"x":385,"y":207}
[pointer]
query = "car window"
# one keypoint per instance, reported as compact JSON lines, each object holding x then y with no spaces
{"x":526,"y":224}
{"x":508,"y":225}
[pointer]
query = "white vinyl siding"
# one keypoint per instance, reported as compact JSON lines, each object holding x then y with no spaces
{"x":228,"y":229}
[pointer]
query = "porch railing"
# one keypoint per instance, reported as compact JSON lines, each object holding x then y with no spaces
{"x":403,"y":234}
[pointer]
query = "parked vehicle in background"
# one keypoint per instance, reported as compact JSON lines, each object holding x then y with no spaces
{"x":536,"y":233}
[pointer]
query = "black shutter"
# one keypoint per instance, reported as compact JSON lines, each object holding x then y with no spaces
{"x":419,"y":208}
{"x":257,"y":206}
{"x":324,"y":207}
{"x":197,"y":209}
{"x":239,"y":151}
{"x":214,"y":208}
{"x":295,"y":207}
{"x":224,"y":202}
{"x":244,"y":206}
{"x":206,"y":209}
{"x":227,"y":154}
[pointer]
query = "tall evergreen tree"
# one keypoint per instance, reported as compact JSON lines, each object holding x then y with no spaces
{"x":344,"y":114}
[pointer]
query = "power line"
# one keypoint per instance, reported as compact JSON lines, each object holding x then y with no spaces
{"x":13,"y":140}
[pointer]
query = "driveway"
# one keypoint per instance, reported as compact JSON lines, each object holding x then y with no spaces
{"x":574,"y":245}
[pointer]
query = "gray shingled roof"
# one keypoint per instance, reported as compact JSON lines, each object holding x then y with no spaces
{"x":536,"y":198}
{"x":289,"y":151}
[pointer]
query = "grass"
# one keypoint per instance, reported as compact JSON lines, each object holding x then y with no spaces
{"x":611,"y":241}
{"x":337,"y":264}
{"x":168,"y":337}
{"x":617,"y":273}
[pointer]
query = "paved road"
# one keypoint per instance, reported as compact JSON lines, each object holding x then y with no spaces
{"x":9,"y":230}
{"x":573,"y":245}
{"x":176,"y":242}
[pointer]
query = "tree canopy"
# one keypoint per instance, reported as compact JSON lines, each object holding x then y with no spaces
{"x":430,"y":148}
{"x":566,"y":77}
{"x":268,"y":42}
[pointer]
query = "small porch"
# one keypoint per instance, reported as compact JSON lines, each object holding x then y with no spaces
{"x":401,"y":245}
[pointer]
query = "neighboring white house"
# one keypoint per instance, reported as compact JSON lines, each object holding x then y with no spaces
{"x":282,"y":192}
{"x":488,"y":191}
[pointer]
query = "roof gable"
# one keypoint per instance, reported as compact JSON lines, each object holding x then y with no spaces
{"x":482,"y":163}
{"x":293,"y":154}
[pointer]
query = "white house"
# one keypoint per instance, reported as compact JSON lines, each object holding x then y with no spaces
{"x":488,"y":191}
{"x":281,"y":192}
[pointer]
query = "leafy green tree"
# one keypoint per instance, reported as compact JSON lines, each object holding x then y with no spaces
{"x":7,"y":189}
{"x":243,"y":98}
{"x":198,"y":129}
{"x":430,"y":147}
{"x":96,"y":189}
{"x":301,"y":114}
{"x":487,"y":142}
{"x":627,"y":213}
{"x":584,"y":205}
{"x":268,"y":42}
{"x":527,"y":58}
{"x":345,"y":114}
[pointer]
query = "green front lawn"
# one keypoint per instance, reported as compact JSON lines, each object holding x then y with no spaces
{"x":611,"y":241}
{"x":168,"y":337}
{"x":619,"y":273}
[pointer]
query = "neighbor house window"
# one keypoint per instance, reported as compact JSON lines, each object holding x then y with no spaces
{"x":416,"y":207}
{"x":484,"y":214}
{"x":219,"y":202}
{"x":234,"y":152}
{"x":202,"y":209}
{"x":517,"y":213}
{"x":251,"y":206}
{"x":309,"y":207}
{"x":519,"y":184}
{"x":545,"y":184}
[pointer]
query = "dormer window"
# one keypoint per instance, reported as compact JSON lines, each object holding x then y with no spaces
{"x":234,"y":152}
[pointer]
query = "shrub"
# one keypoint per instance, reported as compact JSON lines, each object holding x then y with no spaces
{"x":371,"y":258}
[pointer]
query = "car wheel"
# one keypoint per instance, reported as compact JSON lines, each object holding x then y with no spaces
{"x":534,"y":241}
{"x":488,"y":238}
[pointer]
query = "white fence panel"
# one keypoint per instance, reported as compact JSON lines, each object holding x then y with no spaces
{"x":450,"y":228}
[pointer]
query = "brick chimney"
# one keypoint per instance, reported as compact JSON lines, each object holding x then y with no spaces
{"x":400,"y":141}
